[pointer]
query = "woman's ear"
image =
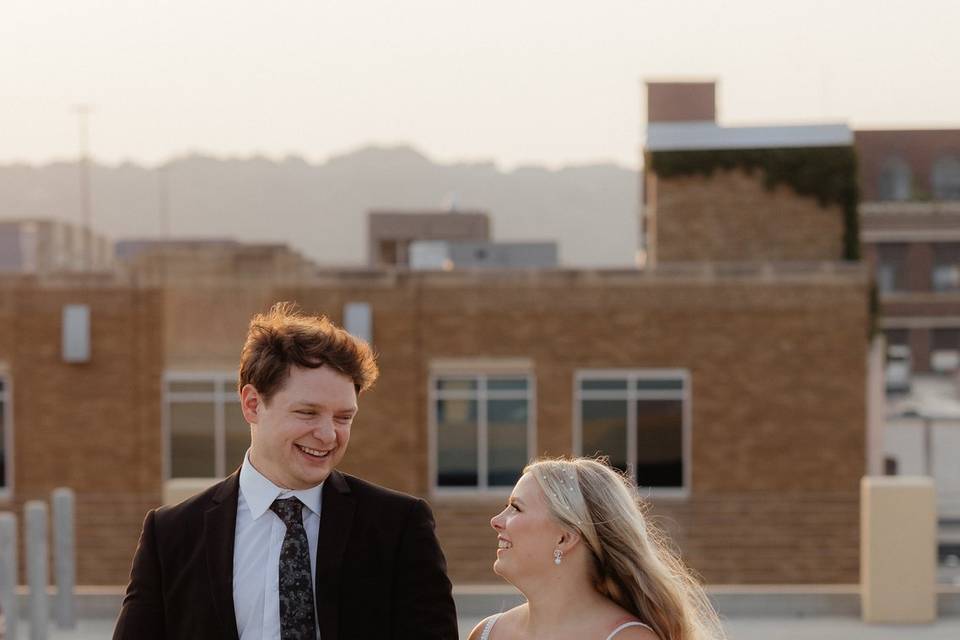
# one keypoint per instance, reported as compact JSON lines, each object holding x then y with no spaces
{"x":568,"y":540}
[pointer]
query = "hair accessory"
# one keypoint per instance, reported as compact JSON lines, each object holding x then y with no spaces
{"x":557,"y":556}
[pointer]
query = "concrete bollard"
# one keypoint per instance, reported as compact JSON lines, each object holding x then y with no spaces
{"x":36,"y":542}
{"x":8,"y":572}
{"x":64,"y":556}
{"x":898,"y":553}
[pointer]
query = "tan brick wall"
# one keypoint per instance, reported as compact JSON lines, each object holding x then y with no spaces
{"x":777,"y":385}
{"x":778,"y":396}
{"x":731,"y":216}
{"x":93,"y":427}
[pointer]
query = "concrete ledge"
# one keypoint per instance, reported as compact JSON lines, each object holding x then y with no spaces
{"x":479,"y":601}
{"x":732,"y":601}
{"x":786,"y":600}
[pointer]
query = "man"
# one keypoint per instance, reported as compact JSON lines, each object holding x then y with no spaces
{"x":287,"y":547}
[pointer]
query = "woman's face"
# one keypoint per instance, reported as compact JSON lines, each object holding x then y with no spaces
{"x":526,"y":533}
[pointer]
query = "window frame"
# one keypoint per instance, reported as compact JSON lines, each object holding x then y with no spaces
{"x":481,"y":372}
{"x":218,"y":397}
{"x":631,"y":395}
{"x":6,"y":402}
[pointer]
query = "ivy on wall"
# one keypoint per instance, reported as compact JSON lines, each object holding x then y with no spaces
{"x":828,"y":174}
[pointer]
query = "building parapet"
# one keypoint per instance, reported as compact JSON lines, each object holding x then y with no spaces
{"x":823,"y":272}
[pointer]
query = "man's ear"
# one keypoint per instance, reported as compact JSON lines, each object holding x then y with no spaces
{"x":250,"y":401}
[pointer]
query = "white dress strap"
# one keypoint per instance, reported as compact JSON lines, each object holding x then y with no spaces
{"x":487,"y":628}
{"x":628,"y":624}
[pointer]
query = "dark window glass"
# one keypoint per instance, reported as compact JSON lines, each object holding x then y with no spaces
{"x":192,"y":440}
{"x":945,"y":178}
{"x":660,"y":443}
{"x":674,"y":384}
{"x":456,"y":384}
{"x":889,"y":466}
{"x":891,"y":267}
{"x":600,"y":384}
{"x":897,"y":337}
{"x":507,"y":384}
{"x":605,"y":430}
{"x":946,"y":266}
{"x":190,"y":386}
{"x":895,"y":181}
{"x":506,"y":441}
{"x":457,"y":443}
{"x":945,"y":340}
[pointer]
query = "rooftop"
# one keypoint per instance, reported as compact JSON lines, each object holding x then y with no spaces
{"x":689,"y":136}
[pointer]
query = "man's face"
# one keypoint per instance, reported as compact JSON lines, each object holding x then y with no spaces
{"x":301,"y":434}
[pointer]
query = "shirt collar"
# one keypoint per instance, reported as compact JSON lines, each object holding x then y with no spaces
{"x":259,"y":492}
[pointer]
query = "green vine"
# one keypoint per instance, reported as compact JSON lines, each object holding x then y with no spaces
{"x":828,"y":174}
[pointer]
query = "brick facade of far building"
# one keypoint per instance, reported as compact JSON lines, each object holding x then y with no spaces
{"x":776,"y":381}
{"x":911,"y":233}
{"x":90,"y":426}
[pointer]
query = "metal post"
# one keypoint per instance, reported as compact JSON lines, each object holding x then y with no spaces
{"x":36,"y":517}
{"x":64,"y":556}
{"x":8,"y":572}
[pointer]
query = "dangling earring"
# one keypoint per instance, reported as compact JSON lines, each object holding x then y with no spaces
{"x":557,"y":556}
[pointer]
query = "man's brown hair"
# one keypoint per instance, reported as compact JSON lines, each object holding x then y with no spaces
{"x":285,"y":337}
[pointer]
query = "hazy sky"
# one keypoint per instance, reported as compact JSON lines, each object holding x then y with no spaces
{"x":521,"y":81}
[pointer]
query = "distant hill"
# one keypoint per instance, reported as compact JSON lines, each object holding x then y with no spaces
{"x":320,"y":209}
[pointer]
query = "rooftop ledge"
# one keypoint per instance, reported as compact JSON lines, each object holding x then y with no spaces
{"x":699,"y":136}
{"x":840,"y":272}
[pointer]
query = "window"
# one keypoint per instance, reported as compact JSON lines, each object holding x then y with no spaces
{"x":945,"y":350}
{"x":641,"y":420}
{"x":946,"y":266}
{"x":897,"y":337}
{"x":6,"y":436}
{"x":206,"y":433}
{"x":945,"y":180}
{"x":895,"y":179}
{"x":482,"y":427}
{"x":891,"y":267}
{"x":890,"y":466}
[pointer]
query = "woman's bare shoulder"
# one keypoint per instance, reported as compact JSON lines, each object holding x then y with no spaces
{"x":505,"y":619}
{"x":636,"y":633}
{"x":478,"y":630}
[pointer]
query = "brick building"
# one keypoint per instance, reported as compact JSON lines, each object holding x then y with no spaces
{"x":911,"y":233}
{"x":730,"y":377}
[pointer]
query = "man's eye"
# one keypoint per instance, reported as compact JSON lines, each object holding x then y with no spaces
{"x":304,"y":412}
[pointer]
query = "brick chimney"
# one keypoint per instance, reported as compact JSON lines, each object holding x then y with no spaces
{"x":681,"y":102}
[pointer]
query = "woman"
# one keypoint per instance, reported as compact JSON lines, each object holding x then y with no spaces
{"x":573,"y":539}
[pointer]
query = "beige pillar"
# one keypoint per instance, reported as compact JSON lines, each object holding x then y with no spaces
{"x":898,"y":532}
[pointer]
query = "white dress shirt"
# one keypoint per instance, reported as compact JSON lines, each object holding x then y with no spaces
{"x":256,"y":552}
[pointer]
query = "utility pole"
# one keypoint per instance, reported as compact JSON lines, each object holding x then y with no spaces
{"x":86,"y":210}
{"x":163,"y":199}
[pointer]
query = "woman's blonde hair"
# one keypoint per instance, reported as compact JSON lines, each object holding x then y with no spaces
{"x":633,"y":563}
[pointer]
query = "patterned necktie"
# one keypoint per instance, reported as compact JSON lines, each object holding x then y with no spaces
{"x":296,"y":580}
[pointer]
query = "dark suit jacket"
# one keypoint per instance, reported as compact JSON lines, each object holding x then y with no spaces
{"x":380,"y":571}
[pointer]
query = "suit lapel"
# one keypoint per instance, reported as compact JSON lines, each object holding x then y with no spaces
{"x":219,"y":529}
{"x":336,"y":518}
